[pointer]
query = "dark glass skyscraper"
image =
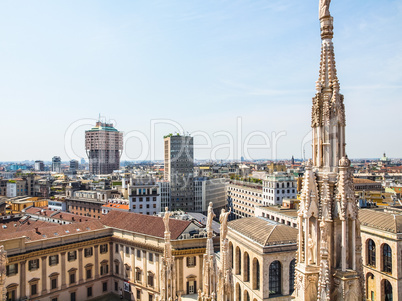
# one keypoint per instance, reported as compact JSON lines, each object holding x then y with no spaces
{"x":179,"y":166}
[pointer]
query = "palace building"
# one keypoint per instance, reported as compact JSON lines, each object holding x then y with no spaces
{"x":121,"y":253}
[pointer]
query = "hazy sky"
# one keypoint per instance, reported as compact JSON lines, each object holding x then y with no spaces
{"x":203,"y":64}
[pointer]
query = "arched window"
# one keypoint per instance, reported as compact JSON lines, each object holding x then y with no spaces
{"x":371,"y":252}
{"x":231,"y":254}
{"x":238,"y":292}
{"x":292,"y":276}
{"x":256,"y":274}
{"x":386,"y":259}
{"x":275,"y":278}
{"x":370,"y":287}
{"x":246,"y":266}
{"x":150,"y":279}
{"x":238,"y":261}
{"x":387,"y":288}
{"x":246,"y":296}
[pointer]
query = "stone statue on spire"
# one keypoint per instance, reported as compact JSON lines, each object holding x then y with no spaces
{"x":166,"y":218}
{"x":210,"y":269}
{"x":210,"y":218}
{"x":324,"y":8}
{"x":223,"y":219}
{"x":225,"y":281}
{"x":168,"y":270}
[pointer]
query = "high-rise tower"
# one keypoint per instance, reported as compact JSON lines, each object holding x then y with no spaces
{"x":56,"y":164}
{"x":329,"y":247}
{"x":179,"y":166}
{"x":104,"y":145}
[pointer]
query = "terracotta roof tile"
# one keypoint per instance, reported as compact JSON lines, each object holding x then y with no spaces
{"x":53,"y":230}
{"x":144,"y":224}
{"x":364,"y":181}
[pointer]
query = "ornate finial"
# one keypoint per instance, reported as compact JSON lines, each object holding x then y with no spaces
{"x":327,"y":27}
{"x":344,"y":162}
{"x":309,"y":164}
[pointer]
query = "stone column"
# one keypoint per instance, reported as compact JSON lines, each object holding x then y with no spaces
{"x":180,"y":278}
{"x":80,"y":267}
{"x":133,"y":264}
{"x":157,"y":274}
{"x":121,"y":252}
{"x":144,"y":265}
{"x":44,"y":274}
{"x":300,"y":255}
{"x":200,"y":278}
{"x":22,"y":279}
{"x":344,"y":245}
{"x":111,"y":252}
{"x":63,"y":270}
{"x":96,"y":247}
{"x":354,"y":244}
{"x":306,"y":248}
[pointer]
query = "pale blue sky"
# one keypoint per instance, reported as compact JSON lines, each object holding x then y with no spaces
{"x":200,"y":63}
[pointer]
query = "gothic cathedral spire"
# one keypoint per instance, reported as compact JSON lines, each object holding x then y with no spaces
{"x":329,"y":246}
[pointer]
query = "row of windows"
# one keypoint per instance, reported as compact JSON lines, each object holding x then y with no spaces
{"x":85,"y":208}
{"x":147,"y":199}
{"x":144,"y":191}
{"x":281,"y":191}
{"x":127,"y":252}
{"x":54,"y":282}
{"x":386,"y":252}
{"x":280,"y":185}
{"x":275,"y":272}
{"x":245,"y":191}
{"x":12,"y":269}
{"x":147,"y":206}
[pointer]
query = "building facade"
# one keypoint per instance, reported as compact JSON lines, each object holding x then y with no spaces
{"x":164,"y":190}
{"x":277,"y":187}
{"x":74,"y":166}
{"x":122,"y":254}
{"x":262,"y":255}
{"x":144,"y":197}
{"x":104,"y":145}
{"x":178,"y":170}
{"x":243,"y":198}
{"x":16,"y":187}
{"x":381,"y":232}
{"x":56,"y":164}
{"x":39,"y":165}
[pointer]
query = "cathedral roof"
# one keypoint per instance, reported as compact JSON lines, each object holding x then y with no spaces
{"x":381,"y":220}
{"x":266,"y":233}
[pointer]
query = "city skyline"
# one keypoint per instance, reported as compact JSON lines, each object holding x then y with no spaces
{"x":202,"y":65}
